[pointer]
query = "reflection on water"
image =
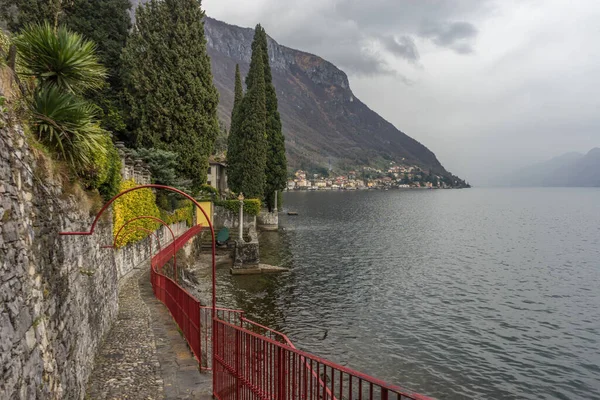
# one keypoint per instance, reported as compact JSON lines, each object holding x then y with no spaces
{"x":476,"y":293}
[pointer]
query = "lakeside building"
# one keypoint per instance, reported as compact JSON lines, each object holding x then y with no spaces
{"x":217,"y":175}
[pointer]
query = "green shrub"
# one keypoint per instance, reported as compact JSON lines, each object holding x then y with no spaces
{"x":251,"y":206}
{"x":111,"y":185}
{"x":208,"y":190}
{"x":96,"y":172}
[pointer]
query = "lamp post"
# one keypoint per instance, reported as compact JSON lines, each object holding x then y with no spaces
{"x":241,"y":199}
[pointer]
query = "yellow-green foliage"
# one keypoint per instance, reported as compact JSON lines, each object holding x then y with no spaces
{"x":96,"y":172}
{"x":251,"y":206}
{"x":185,"y":213}
{"x":4,"y":45}
{"x":131,"y":205}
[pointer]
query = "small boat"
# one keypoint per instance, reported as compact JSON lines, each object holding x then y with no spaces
{"x":292,"y":213}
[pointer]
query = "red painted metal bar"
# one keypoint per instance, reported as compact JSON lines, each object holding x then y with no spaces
{"x":139,"y":228}
{"x":282,"y":373}
{"x":184,"y":308}
{"x":153,"y":218}
{"x":224,"y":314}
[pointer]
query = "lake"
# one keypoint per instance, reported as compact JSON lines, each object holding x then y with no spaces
{"x":478,"y":293}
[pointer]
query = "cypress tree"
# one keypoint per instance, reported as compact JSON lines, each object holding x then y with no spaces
{"x":249,"y":160}
{"x":107,"y":23}
{"x":16,"y":13}
{"x":170,"y":97}
{"x":276,"y":167}
{"x":238,"y":93}
{"x":234,"y":179}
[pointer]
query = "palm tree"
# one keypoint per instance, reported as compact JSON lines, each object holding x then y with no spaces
{"x":65,"y":66}
{"x":60,"y":57}
{"x":68,"y":126}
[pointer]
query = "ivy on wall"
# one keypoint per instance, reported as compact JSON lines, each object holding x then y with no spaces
{"x":251,"y":206}
{"x":134,"y":204}
{"x":143,"y":202}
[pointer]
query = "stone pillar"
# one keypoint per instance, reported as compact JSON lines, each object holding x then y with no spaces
{"x":241,"y":220}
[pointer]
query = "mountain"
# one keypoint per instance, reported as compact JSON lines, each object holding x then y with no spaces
{"x":567,"y":170}
{"x":323,"y":121}
{"x":324,"y":124}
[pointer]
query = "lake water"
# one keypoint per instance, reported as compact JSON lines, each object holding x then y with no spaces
{"x":479,"y":293}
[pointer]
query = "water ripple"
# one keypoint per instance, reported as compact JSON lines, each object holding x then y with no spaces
{"x":457,"y":294}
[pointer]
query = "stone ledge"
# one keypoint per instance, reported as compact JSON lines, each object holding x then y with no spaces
{"x":259,"y":269}
{"x":268,"y":227}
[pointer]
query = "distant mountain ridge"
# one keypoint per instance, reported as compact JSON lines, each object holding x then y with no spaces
{"x":567,"y":170}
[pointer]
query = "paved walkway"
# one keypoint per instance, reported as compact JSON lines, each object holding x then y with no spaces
{"x":178,"y":366}
{"x":144,"y":356}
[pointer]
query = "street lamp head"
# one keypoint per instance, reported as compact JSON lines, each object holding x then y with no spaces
{"x":241,"y":197}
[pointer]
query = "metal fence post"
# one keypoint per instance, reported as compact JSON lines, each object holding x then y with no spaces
{"x":281,"y":389}
{"x":238,"y":365}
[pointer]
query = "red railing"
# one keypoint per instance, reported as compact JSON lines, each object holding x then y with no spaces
{"x":224,"y":314}
{"x":252,"y":361}
{"x":184,"y":307}
{"x":251,"y":366}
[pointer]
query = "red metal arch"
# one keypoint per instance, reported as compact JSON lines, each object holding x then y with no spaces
{"x":172,"y":189}
{"x":142,"y":217}
{"x":139,"y":228}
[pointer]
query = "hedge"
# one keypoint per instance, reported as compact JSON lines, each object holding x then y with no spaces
{"x":185,"y":213}
{"x":134,"y":204}
{"x":251,"y":206}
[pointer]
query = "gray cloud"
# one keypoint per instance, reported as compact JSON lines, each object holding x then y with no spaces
{"x":408,"y":15}
{"x":455,"y":35}
{"x":403,"y":47}
{"x":366,"y":64}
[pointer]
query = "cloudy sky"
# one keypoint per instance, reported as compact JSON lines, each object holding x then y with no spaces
{"x":488,"y":85}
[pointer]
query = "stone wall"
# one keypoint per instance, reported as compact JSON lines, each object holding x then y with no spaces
{"x":133,"y":168}
{"x":59,"y":294}
{"x":133,"y":254}
{"x":224,"y":218}
{"x":268,"y":221}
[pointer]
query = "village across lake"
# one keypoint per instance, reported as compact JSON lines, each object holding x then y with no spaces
{"x":394,"y":176}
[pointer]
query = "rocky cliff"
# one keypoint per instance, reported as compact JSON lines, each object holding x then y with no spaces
{"x":323,"y":121}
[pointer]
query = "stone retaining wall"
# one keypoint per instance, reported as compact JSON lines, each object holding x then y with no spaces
{"x":268,"y":221}
{"x":224,"y":218}
{"x":59,"y":294}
